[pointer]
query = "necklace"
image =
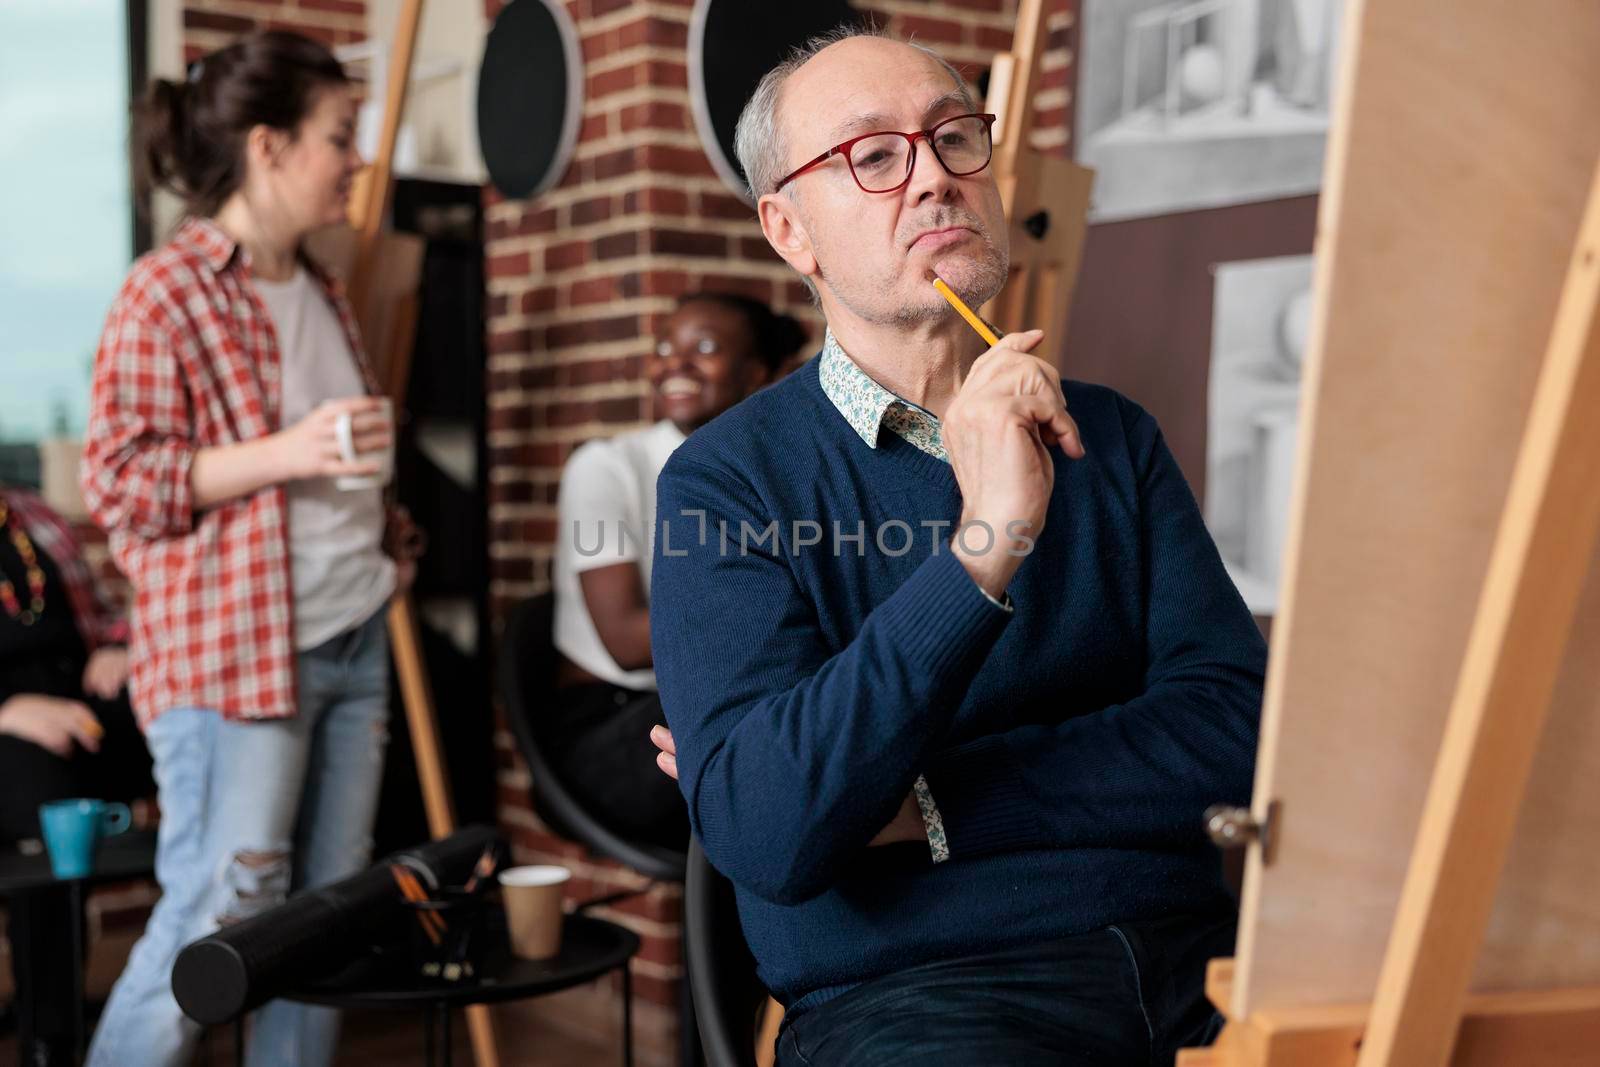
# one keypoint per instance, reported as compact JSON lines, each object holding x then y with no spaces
{"x":8,"y":592}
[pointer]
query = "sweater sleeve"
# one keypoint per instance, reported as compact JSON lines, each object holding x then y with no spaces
{"x":1140,"y":773}
{"x":792,"y":755}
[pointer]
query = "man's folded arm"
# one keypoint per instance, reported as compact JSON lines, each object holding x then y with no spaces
{"x":791,"y":756}
{"x":1140,"y":773}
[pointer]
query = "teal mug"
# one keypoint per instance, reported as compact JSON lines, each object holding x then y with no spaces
{"x":73,"y":829}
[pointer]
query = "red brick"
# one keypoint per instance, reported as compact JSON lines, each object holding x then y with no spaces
{"x":619,"y":328}
{"x":998,"y":40}
{"x":596,"y":210}
{"x":509,"y":342}
{"x":666,"y":75}
{"x":758,"y":249}
{"x":596,"y":371}
{"x":592,"y":291}
{"x":615,"y":164}
{"x":510,"y":265}
{"x":346,"y":7}
{"x":617,"y":245}
{"x":565,"y":256}
{"x":611,"y":81}
{"x":535,"y":301}
{"x":725,"y":206}
{"x":594,"y":127}
{"x":324,"y":34}
{"x":518,"y":417}
{"x":656,"y":200}
{"x":674,"y":160}
{"x":621,"y":409}
{"x":686,"y":242}
{"x":654,"y":115}
{"x":574,"y":412}
{"x":215,"y":20}
{"x":924,"y":30}
{"x":758,"y":288}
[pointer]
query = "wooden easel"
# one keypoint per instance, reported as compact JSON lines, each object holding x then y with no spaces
{"x":1046,"y":197}
{"x":383,"y":290}
{"x":1442,"y":591}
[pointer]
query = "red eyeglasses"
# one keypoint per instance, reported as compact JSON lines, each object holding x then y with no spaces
{"x":882,"y":162}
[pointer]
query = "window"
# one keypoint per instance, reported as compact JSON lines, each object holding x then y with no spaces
{"x":67,"y":230}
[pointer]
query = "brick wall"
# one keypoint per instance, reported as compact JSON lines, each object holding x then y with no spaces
{"x":579,"y":279}
{"x":212,"y":24}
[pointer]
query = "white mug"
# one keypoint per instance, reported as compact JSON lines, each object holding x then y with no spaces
{"x":343,"y":432}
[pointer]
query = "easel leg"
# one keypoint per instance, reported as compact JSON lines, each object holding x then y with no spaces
{"x":424,"y":726}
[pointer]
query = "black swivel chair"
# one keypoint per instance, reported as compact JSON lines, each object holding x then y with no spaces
{"x":728,"y":997}
{"x":528,"y":661}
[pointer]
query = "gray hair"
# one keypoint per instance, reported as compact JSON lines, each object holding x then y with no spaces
{"x":757,"y":140}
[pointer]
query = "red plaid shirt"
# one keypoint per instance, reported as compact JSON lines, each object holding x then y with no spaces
{"x":98,"y":622}
{"x":189,"y":360}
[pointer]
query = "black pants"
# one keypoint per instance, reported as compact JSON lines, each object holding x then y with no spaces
{"x":1130,"y":995}
{"x":600,"y":745}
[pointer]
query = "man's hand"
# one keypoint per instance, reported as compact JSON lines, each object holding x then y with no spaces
{"x":997,"y":432}
{"x":51,"y":723}
{"x":667,"y":758}
{"x":106,"y":672}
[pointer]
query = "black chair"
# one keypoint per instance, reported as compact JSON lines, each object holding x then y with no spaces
{"x":528,"y":662}
{"x":728,"y":997}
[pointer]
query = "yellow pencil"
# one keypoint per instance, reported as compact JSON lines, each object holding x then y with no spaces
{"x":965,"y":312}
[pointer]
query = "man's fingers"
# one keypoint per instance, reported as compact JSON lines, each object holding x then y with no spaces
{"x":1055,"y":425}
{"x":662,"y":738}
{"x":1022,"y":340}
{"x":668,"y":764}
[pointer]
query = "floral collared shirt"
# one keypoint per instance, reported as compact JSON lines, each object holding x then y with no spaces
{"x":868,"y":407}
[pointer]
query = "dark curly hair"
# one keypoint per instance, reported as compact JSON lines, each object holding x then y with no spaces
{"x":774,"y":336}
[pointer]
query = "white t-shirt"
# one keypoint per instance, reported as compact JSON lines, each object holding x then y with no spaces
{"x":337,"y":565}
{"x":608,"y":514}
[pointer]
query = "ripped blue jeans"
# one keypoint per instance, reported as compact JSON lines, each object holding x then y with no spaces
{"x":251,"y":811}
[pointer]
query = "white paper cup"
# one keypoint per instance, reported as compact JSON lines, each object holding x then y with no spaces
{"x":533,"y":909}
{"x":344,"y":433}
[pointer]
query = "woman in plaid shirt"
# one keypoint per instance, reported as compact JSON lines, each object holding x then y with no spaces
{"x":259,"y":651}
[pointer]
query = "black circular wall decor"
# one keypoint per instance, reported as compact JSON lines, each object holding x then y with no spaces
{"x":530,"y":97}
{"x":732,"y":43}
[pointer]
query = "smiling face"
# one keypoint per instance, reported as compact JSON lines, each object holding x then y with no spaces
{"x":870,"y":253}
{"x":310,"y":174}
{"x":704,"y":363}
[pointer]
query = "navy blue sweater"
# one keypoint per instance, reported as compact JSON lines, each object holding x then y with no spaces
{"x":1071,"y":747}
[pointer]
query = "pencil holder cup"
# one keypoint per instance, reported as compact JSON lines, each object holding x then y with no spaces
{"x":444,"y":932}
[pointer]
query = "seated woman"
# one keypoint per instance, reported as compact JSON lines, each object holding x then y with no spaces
{"x":712,"y":352}
{"x":66,"y":730}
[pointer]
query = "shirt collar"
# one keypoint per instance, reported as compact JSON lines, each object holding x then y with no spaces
{"x":862,"y":401}
{"x":210,"y":241}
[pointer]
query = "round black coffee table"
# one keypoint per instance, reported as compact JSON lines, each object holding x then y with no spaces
{"x":28,"y":884}
{"x":589,"y":948}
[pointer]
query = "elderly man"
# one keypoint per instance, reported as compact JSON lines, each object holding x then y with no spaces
{"x":951,"y":674}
